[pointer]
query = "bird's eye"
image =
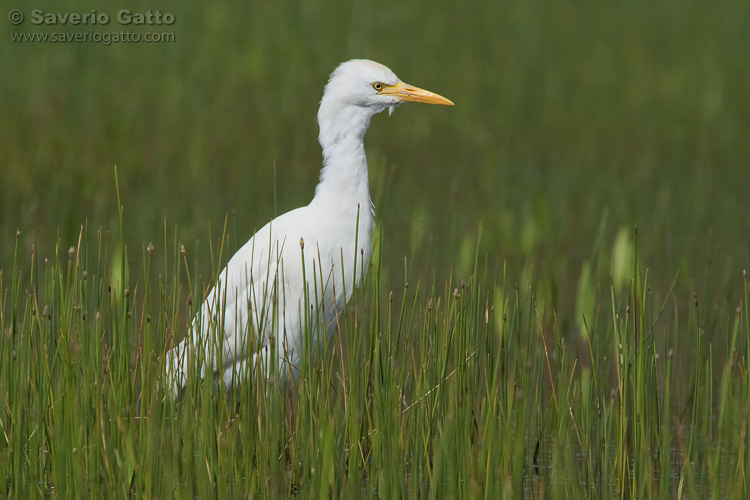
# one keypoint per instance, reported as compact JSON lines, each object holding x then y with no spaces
{"x":378,"y":86}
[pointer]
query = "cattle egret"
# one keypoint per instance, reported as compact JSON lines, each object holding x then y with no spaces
{"x":305,"y":263}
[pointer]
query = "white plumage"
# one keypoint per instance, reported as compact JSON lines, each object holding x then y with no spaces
{"x":260,"y":295}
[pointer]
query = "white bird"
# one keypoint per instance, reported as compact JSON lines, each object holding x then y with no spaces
{"x":297,"y":273}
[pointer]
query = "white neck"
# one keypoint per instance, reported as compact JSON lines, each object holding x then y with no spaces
{"x":344,"y":181}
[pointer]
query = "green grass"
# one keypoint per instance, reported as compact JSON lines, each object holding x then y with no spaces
{"x":576,"y":358}
{"x":455,"y":389}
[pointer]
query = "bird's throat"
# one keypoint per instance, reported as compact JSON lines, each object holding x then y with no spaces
{"x":344,"y":179}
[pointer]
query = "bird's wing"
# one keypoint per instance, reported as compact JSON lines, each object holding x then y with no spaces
{"x":238,"y":305}
{"x":260,"y":294}
{"x":219,"y":333}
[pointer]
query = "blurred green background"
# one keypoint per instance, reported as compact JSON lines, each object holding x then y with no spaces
{"x":574,"y":122}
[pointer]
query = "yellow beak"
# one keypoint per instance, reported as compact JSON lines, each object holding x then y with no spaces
{"x":405,"y":92}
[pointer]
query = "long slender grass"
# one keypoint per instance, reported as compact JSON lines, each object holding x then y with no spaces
{"x":459,"y":389}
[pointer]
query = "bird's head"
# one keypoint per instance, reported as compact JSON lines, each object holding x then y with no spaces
{"x":367,"y":84}
{"x":359,"y":89}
